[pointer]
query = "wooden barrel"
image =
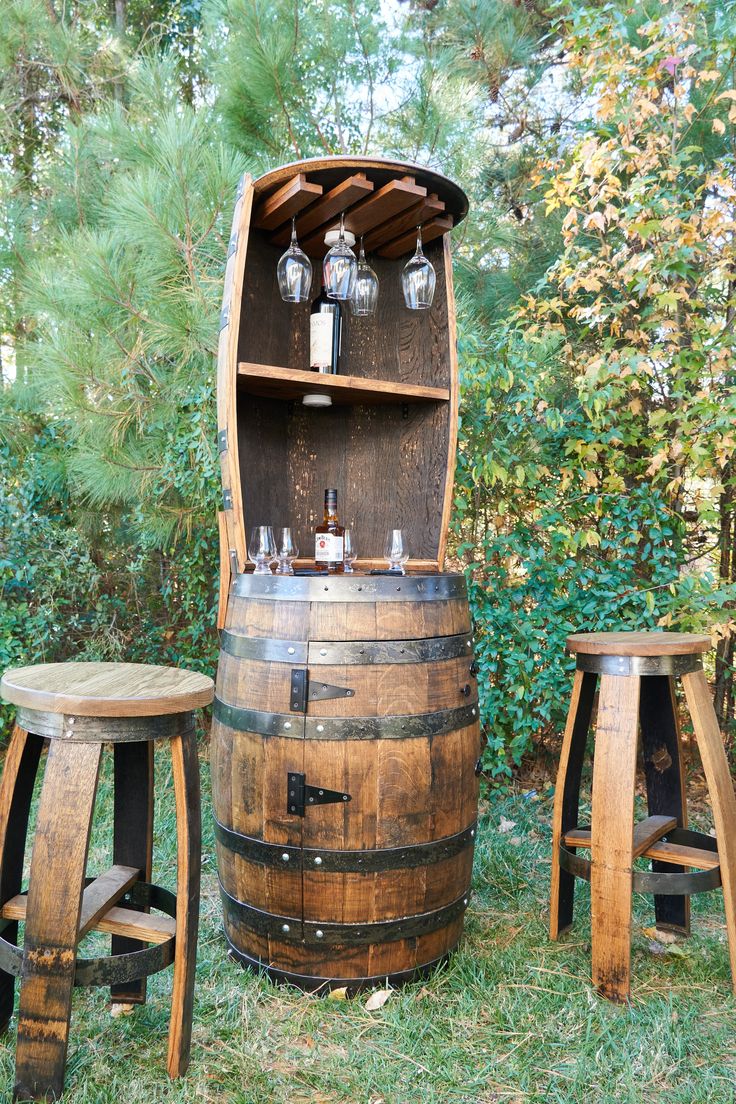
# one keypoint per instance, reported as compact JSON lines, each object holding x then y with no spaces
{"x":344,"y":751}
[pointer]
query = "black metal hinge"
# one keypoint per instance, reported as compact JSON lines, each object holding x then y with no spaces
{"x":300,"y":796}
{"x":304,"y":690}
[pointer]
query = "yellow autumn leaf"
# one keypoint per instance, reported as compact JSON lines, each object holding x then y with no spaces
{"x":595,"y":218}
{"x":729,"y":94}
{"x":709,"y":75}
{"x":635,"y":406}
{"x":719,"y":126}
{"x":339,"y":994}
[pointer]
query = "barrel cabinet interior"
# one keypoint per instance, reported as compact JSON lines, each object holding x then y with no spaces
{"x":346,"y":732}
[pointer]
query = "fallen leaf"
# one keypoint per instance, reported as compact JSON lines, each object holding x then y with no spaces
{"x":659,"y":936}
{"x":377,"y":1000}
{"x":339,"y":994}
{"x":121,"y":1010}
{"x":515,"y":841}
{"x":505,"y":825}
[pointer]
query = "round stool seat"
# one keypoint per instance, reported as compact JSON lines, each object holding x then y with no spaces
{"x":638,"y":643}
{"x":106,"y":689}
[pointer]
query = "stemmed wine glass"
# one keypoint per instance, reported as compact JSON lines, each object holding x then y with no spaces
{"x":365,"y":292}
{"x":262,"y":548}
{"x":418,"y":279}
{"x":294,"y":272}
{"x":397,"y":552}
{"x":339,"y":267}
{"x":287,"y":552}
{"x":349,"y":551}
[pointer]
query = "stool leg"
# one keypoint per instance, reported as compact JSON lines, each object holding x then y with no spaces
{"x":662,"y":748}
{"x":567,"y":798}
{"x":133,"y":839}
{"x":720,"y":789}
{"x":52,"y":918}
{"x":16,"y":791}
{"x":612,"y":832}
{"x":189,"y":842}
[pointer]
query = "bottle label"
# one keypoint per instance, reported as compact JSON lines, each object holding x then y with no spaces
{"x":320,"y":341}
{"x":328,"y":548}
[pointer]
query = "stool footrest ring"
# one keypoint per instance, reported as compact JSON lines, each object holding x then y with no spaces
{"x":661,"y":883}
{"x":110,"y":969}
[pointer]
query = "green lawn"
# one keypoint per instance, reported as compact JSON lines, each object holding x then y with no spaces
{"x":511,"y":1019}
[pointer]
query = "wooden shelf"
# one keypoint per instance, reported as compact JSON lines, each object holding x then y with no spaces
{"x":290,"y":383}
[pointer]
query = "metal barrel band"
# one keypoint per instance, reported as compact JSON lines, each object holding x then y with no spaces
{"x":347,"y":862}
{"x":73,"y":728}
{"x":662,"y":884}
{"x":674,"y":665}
{"x":312,"y":982}
{"x":342,"y":588}
{"x":297,"y":727}
{"x":351,"y":652}
{"x":110,"y":969}
{"x":290,"y":929}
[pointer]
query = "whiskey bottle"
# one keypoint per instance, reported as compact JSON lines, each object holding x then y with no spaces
{"x":329,"y":538}
{"x":325,"y":334}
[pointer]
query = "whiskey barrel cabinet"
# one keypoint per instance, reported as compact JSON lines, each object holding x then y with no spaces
{"x":346,"y":730}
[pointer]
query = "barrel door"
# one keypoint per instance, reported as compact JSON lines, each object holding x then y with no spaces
{"x":344,"y":746}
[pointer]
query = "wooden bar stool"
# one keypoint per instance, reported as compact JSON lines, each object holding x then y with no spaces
{"x":78,"y":707}
{"x":637,"y":672}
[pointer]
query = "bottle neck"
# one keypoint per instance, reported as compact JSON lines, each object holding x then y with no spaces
{"x":330,"y":510}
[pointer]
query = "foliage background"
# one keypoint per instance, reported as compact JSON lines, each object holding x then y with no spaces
{"x":595,"y":276}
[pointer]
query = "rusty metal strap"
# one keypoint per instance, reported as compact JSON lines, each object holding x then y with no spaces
{"x":398,"y":727}
{"x":674,"y":665}
{"x":76,"y":729}
{"x":663,"y":884}
{"x":331,"y":861}
{"x":350,"y":588}
{"x":343,"y":652}
{"x":112,"y":969}
{"x":289,"y":929}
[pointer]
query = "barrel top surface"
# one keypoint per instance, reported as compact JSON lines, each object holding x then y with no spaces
{"x":638,"y":643}
{"x":106,"y":689}
{"x":329,"y":171}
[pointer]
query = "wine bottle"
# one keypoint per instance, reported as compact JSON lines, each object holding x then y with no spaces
{"x":329,"y":538}
{"x":325,"y":334}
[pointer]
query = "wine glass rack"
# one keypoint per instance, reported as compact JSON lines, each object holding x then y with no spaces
{"x":388,"y":440}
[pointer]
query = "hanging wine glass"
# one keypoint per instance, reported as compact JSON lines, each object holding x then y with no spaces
{"x":339,"y":267}
{"x":262,"y":548}
{"x":365,"y":292}
{"x":294,"y":272}
{"x":418,"y":279}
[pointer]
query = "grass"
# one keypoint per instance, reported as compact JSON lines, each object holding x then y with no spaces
{"x":511,"y":1019}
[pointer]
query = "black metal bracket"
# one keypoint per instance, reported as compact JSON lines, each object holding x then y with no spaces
{"x":300,"y":796}
{"x":303,"y":690}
